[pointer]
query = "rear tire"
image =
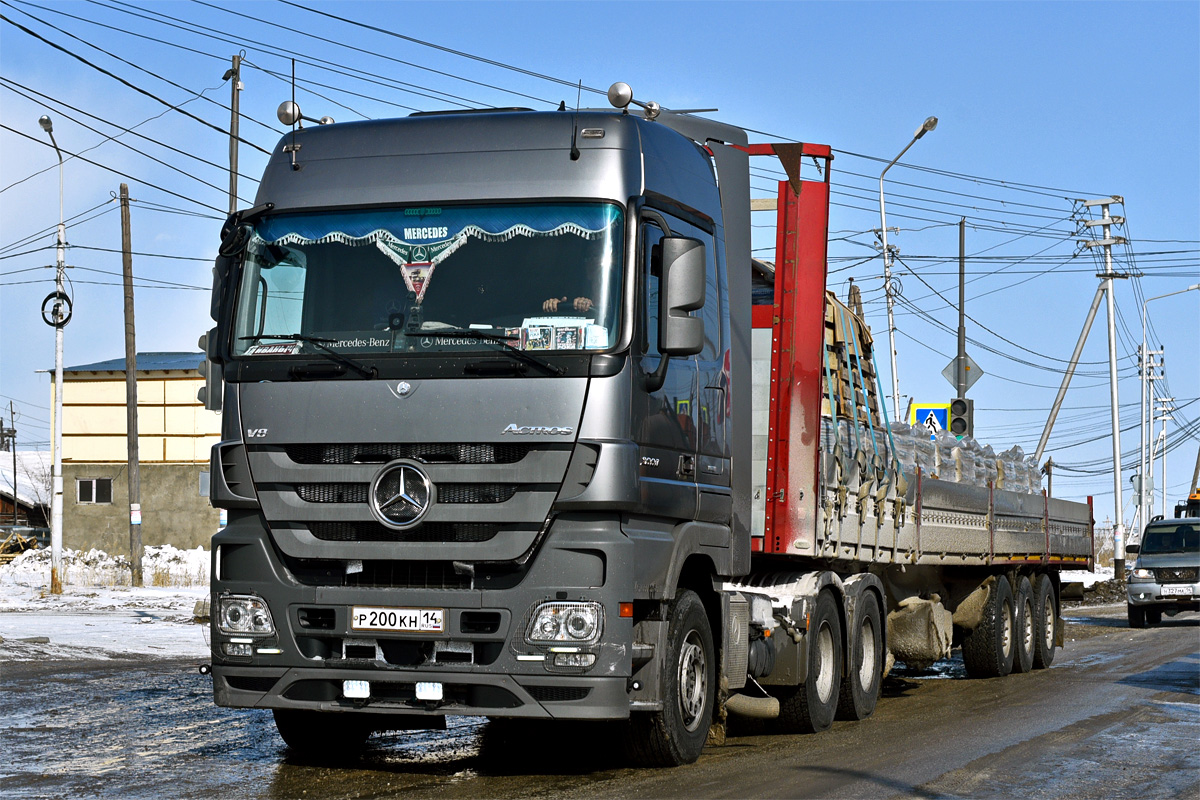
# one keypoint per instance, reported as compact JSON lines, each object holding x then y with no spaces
{"x":811,"y":707}
{"x":1045,"y":614}
{"x":1025,"y":640}
{"x":676,"y":735}
{"x":860,"y":687}
{"x":988,"y":650}
{"x":322,"y":734}
{"x":1137,"y":616}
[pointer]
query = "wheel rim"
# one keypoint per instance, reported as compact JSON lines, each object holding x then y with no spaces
{"x":866,"y":638}
{"x":1006,"y":630}
{"x":825,"y":668}
{"x":1027,"y":630}
{"x":693,"y":681}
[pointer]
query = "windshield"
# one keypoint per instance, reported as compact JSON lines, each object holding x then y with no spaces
{"x":534,"y":277}
{"x":1181,"y":538}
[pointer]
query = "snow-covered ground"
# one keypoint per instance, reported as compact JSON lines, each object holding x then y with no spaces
{"x":100,"y":615}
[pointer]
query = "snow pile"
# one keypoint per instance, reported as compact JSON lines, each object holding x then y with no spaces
{"x":100,"y":615}
{"x":164,"y":566}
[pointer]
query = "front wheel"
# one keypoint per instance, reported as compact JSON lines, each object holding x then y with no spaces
{"x":321,"y":734}
{"x":676,"y":735}
{"x":1137,"y":616}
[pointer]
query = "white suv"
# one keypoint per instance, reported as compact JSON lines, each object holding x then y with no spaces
{"x":1166,"y":575}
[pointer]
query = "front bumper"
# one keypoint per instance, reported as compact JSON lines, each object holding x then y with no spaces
{"x":480,"y":659}
{"x":1152,"y":594}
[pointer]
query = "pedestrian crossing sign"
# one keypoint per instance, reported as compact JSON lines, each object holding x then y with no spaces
{"x":935,"y":417}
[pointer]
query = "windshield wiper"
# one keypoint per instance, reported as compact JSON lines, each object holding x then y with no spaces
{"x":325,"y":350}
{"x":503,"y":341}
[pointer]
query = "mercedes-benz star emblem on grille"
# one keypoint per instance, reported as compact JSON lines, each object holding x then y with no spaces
{"x":400,"y":495}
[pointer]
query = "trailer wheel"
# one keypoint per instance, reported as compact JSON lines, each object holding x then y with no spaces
{"x":317,"y":734}
{"x":988,"y":650}
{"x":676,"y":735}
{"x":1045,"y":613}
{"x":860,"y":686}
{"x":810,"y":707}
{"x":1137,"y":616}
{"x":1025,"y":640}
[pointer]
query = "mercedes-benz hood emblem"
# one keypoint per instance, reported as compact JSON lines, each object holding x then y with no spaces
{"x":401,"y":495}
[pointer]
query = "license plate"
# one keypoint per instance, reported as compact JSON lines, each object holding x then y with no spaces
{"x":1177,"y":591}
{"x":404,"y":620}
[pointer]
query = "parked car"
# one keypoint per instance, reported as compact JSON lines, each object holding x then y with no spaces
{"x":1166,"y":575}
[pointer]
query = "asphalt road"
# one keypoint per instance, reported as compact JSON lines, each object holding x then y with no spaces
{"x":1118,"y":715}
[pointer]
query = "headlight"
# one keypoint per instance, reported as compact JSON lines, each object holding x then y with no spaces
{"x":245,"y":614}
{"x":578,"y":623}
{"x":1142,"y":574}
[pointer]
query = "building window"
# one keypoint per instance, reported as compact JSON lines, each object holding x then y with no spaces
{"x":93,"y":490}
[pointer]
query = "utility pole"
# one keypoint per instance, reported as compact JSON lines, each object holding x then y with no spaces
{"x":234,"y":76}
{"x":131,"y":411}
{"x":59,"y":316}
{"x":1165,"y":408}
{"x":1107,"y":241}
{"x":12,"y":414}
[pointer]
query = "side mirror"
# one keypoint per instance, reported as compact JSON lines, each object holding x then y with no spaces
{"x":681,"y":292}
{"x":1132,"y":549}
{"x":210,"y":394}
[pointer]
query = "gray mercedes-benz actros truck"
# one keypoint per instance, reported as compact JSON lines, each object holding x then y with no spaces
{"x":514,"y":426}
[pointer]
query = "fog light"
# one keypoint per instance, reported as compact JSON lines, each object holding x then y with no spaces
{"x":356,"y":690}
{"x":236,"y":649}
{"x":574,"y":659}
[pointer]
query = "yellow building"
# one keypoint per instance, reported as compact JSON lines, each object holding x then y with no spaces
{"x":175,"y":436}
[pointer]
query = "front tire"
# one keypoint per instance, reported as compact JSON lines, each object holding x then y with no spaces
{"x":1137,"y":616}
{"x":1153,"y":616}
{"x":321,"y":734}
{"x":988,"y":650}
{"x":860,"y":687}
{"x":1045,"y":612}
{"x":810,"y":707}
{"x":676,"y":735}
{"x":1026,"y":629}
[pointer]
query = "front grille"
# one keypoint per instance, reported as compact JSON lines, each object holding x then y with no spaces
{"x":1176,"y":574}
{"x":423,"y":452}
{"x":449,"y":493}
{"x":375,"y":574}
{"x":427,"y":532}
{"x":557,"y":694}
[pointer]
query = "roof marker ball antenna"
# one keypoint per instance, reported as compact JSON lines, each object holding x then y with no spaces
{"x":289,"y":114}
{"x":620,"y":96}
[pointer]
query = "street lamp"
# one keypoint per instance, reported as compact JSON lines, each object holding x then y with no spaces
{"x":1144,"y":507}
{"x":56,"y":501}
{"x":929,"y":124}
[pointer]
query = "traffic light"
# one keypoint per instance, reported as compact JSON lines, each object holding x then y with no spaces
{"x":962,"y":416}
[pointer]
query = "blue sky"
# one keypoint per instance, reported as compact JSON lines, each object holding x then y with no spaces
{"x":1040,"y":104}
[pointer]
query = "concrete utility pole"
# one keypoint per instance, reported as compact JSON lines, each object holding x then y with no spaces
{"x":234,"y":76}
{"x":131,"y":411}
{"x":1165,"y":408}
{"x":59,"y":319}
{"x":929,"y":124}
